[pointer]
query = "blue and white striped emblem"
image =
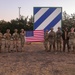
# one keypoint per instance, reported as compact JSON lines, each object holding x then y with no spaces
{"x":47,"y":17}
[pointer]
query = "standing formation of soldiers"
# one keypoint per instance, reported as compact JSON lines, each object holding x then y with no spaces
{"x":59,"y":40}
{"x":15,"y":37}
{"x":53,"y":41}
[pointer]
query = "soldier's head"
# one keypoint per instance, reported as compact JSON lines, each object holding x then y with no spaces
{"x":59,"y":28}
{"x":46,"y":31}
{"x":72,"y":29}
{"x":51,"y":29}
{"x":8,"y":30}
{"x":66,"y":29}
{"x":16,"y":30}
{"x":22,"y":30}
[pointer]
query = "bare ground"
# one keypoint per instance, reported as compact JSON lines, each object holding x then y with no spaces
{"x":35,"y":61}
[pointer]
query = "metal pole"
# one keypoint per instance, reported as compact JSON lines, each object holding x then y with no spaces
{"x":19,"y":12}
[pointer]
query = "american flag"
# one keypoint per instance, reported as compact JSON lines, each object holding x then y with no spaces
{"x":35,"y":36}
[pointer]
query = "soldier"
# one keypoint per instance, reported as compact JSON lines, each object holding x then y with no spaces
{"x":51,"y":38}
{"x":15,"y":39}
{"x":46,"y":40}
{"x":65,"y":39}
{"x":71,"y":36}
{"x":59,"y":38}
{"x":22,"y":37}
{"x":7,"y":37}
{"x":0,"y":40}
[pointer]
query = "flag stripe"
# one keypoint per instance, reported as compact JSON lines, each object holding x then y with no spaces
{"x":54,"y":22}
{"x":36,"y":10}
{"x":49,"y":19}
{"x":43,"y":17}
{"x":38,"y":36}
{"x":40,"y":13}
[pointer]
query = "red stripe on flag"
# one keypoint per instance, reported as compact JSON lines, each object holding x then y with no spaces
{"x":38,"y":36}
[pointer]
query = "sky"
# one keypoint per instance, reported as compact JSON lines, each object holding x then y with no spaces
{"x":9,"y":8}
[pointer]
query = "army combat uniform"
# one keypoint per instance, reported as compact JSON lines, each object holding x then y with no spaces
{"x":59,"y":39}
{"x":0,"y":40}
{"x":65,"y":39}
{"x":22,"y":37}
{"x":71,"y":36}
{"x":7,"y":37}
{"x":51,"y":38}
{"x":15,"y":39}
{"x":46,"y":40}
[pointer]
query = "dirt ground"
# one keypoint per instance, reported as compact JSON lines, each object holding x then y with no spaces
{"x":35,"y":61}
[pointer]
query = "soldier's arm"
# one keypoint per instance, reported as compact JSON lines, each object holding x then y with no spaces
{"x":69,"y":34}
{"x":4,"y":36}
{"x":1,"y":35}
{"x":13,"y":36}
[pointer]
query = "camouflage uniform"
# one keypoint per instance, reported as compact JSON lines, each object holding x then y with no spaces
{"x":51,"y":38}
{"x":0,"y":40}
{"x":46,"y":40}
{"x":16,"y":39}
{"x":72,"y":40}
{"x":22,"y":37}
{"x":7,"y":36}
{"x":65,"y":39}
{"x":59,"y":38}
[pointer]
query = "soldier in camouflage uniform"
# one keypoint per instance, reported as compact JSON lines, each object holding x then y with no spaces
{"x":22,"y":37}
{"x":15,"y":39}
{"x":7,"y":37}
{"x":71,"y":36}
{"x":51,"y":38}
{"x":59,"y":38}
{"x":46,"y":40}
{"x":65,"y":39}
{"x":0,"y":40}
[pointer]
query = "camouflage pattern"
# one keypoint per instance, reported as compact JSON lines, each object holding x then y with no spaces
{"x":59,"y":39}
{"x":7,"y":37}
{"x":71,"y":39}
{"x":46,"y":40}
{"x":22,"y":37}
{"x":15,"y":39}
{"x":0,"y":40}
{"x":51,"y":38}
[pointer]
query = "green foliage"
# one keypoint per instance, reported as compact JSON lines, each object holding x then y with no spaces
{"x":67,"y":21}
{"x":15,"y":24}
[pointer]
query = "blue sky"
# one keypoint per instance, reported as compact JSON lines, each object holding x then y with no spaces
{"x":9,"y":8}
